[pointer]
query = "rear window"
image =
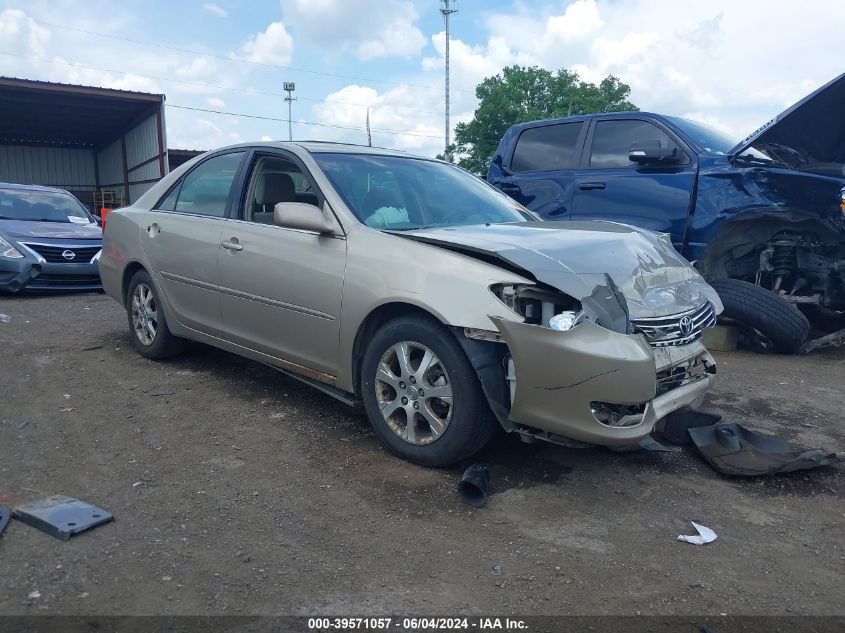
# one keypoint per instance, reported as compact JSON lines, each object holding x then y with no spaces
{"x":547,"y":148}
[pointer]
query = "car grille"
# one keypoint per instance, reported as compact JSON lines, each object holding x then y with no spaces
{"x":52,"y":281}
{"x":676,"y":329}
{"x":54,"y":253}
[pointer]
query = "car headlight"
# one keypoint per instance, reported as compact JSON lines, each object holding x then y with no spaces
{"x":842,"y":200}
{"x":7,"y":250}
{"x":565,"y":320}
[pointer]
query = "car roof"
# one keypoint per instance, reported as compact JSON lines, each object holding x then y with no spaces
{"x":325,"y":146}
{"x":586,"y":117}
{"x":12,"y":185}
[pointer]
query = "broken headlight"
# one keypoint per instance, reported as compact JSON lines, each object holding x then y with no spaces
{"x":539,"y":305}
{"x":566,"y":320}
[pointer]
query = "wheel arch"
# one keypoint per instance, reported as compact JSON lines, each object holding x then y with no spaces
{"x":741,"y":234}
{"x":376,"y":318}
{"x":129,"y":272}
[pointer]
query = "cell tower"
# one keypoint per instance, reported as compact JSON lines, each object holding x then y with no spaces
{"x":289,"y":87}
{"x":447,"y":8}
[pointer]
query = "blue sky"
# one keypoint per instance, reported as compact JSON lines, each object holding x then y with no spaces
{"x":727,"y":63}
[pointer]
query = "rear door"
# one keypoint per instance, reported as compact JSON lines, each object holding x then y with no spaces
{"x":608,"y":186}
{"x":540,"y":169}
{"x":181,"y":239}
{"x":281,"y":288}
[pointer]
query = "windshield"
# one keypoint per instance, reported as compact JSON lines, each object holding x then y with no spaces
{"x":398,"y":193}
{"x":714,"y":141}
{"x":710,"y":139}
{"x":41,"y":206}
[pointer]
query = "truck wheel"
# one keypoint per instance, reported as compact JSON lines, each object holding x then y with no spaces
{"x":767,"y":322}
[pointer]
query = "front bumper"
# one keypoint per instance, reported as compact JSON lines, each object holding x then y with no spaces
{"x":560,"y":375}
{"x":33,"y":273}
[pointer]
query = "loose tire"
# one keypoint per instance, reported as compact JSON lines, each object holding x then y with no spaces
{"x":771,"y":322}
{"x":422,"y":395}
{"x":147,"y":323}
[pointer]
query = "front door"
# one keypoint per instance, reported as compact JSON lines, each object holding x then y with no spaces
{"x":281,"y":288}
{"x":181,"y":238}
{"x":611,"y":187}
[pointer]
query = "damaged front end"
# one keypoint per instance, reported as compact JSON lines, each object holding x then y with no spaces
{"x":599,"y":385}
{"x":605,"y":340}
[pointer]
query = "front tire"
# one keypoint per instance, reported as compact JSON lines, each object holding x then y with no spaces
{"x":422,"y":395}
{"x":767,"y":321}
{"x":147,"y":323}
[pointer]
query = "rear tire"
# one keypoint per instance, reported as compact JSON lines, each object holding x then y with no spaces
{"x":147,"y":323}
{"x":783,"y":327}
{"x":440,"y":434}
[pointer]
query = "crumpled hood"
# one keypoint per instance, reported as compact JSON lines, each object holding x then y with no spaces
{"x":21,"y":229}
{"x":810,"y":135}
{"x":574,"y":257}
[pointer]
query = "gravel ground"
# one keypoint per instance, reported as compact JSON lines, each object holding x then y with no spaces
{"x":237,"y":490}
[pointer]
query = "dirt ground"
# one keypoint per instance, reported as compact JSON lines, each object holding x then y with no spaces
{"x":237,"y":490}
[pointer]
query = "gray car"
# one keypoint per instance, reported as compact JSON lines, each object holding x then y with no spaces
{"x":417,"y":291}
{"x":48,"y":240}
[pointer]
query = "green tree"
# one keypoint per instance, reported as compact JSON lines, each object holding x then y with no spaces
{"x":521,"y":94}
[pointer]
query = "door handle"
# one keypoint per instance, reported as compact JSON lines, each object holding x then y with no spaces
{"x":232,"y":245}
{"x":591,"y":186}
{"x":509,"y":187}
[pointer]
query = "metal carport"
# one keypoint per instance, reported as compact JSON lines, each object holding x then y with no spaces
{"x":81,"y":138}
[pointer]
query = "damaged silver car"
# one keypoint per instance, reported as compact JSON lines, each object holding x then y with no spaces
{"x":412,"y":289}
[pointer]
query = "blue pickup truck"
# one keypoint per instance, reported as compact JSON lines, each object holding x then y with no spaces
{"x":762,"y":219}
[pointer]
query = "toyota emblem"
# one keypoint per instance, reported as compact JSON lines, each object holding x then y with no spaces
{"x":69,"y":255}
{"x":685,"y":325}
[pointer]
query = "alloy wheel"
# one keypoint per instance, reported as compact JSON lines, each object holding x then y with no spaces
{"x":144,"y":314}
{"x":414,"y":392}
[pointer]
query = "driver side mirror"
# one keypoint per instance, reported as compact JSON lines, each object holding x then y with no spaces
{"x":302,"y":216}
{"x":652,"y":153}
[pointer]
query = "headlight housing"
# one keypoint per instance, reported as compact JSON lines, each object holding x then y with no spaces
{"x":540,"y":305}
{"x":9,"y":251}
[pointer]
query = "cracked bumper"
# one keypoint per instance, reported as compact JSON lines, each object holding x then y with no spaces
{"x":559,"y":375}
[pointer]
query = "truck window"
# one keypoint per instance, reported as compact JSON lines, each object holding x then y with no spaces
{"x":612,"y":142}
{"x":547,"y":148}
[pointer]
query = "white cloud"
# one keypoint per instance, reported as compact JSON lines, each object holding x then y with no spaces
{"x":371,"y":28}
{"x":215,"y":9}
{"x":19,"y":33}
{"x":579,"y":20}
{"x":216,"y":102}
{"x":274,"y":45}
{"x":265,"y":139}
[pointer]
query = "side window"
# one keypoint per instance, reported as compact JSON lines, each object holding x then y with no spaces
{"x":205,"y":190}
{"x":169,"y":202}
{"x":612,"y":142}
{"x":276,"y":180}
{"x":547,"y":148}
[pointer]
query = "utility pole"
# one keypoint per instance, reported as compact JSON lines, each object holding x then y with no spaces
{"x":369,"y":136}
{"x":447,"y":9}
{"x":289,"y":87}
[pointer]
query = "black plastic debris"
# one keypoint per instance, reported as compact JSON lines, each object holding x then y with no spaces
{"x":677,"y":424}
{"x":61,"y":516}
{"x":4,"y":518}
{"x":473,"y":486}
{"x":734,"y":450}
